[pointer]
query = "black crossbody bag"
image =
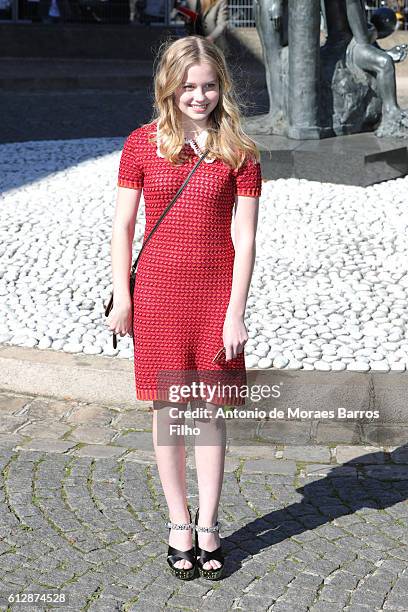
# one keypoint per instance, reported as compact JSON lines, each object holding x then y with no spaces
{"x":109,"y":305}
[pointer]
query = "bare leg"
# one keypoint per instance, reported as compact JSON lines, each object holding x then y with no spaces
{"x":369,"y":58}
{"x":210,"y":458}
{"x":171,"y":464}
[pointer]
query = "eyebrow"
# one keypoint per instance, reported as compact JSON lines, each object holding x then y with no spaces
{"x":208,"y":83}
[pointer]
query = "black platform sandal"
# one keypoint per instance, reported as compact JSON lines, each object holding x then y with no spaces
{"x":205,"y":555}
{"x":174,"y":555}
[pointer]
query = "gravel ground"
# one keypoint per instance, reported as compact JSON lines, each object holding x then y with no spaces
{"x":330,"y":285}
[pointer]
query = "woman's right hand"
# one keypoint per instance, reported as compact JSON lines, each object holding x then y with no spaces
{"x":119,"y":319}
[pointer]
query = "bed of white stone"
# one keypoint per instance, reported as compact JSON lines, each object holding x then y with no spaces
{"x":329,"y":289}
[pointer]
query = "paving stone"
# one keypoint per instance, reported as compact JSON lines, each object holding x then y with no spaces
{"x":138,"y":456}
{"x":92,"y":434}
{"x":307,"y":453}
{"x":90,"y":413}
{"x":331,"y":471}
{"x":382,"y":434}
{"x":399,"y":455}
{"x":12,"y":404}
{"x":44,"y":429}
{"x":10,"y":423}
{"x":47,"y":445}
{"x":324,"y":606}
{"x":250,"y":451}
{"x":334,"y":595}
{"x":359,"y":454}
{"x":98,"y":451}
{"x":386,"y":472}
{"x":365,"y":597}
{"x":283,"y":432}
{"x":46,"y":409}
{"x":137,"y":419}
{"x":346,"y":433}
{"x":140,"y":440}
{"x":9,"y":441}
{"x":272,"y":466}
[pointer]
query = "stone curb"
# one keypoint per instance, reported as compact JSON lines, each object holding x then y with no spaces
{"x":60,"y":375}
{"x":108,"y":381}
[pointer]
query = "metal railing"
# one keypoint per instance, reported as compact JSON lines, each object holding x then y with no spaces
{"x":241,"y":14}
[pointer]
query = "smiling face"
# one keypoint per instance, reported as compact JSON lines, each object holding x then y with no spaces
{"x":197,"y":96}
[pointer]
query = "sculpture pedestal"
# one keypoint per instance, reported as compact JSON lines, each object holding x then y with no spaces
{"x":357,"y":159}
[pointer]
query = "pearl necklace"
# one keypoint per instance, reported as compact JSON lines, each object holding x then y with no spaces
{"x":196,"y":144}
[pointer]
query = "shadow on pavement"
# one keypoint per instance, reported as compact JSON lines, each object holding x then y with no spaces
{"x":357,"y":484}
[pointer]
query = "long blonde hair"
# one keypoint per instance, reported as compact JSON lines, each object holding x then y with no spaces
{"x":226,"y":139}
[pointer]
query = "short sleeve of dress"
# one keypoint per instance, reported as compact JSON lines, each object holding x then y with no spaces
{"x":131,"y":172}
{"x":248,"y":178}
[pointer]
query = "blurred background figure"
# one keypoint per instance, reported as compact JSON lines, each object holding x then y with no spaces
{"x":399,"y":7}
{"x":146,"y":11}
{"x":55,"y":11}
{"x":207,"y":18}
{"x":384,"y":21}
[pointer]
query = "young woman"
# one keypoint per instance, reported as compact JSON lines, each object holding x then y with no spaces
{"x":214,"y":20}
{"x":191,"y":283}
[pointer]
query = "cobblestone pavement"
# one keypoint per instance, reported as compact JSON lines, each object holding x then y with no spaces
{"x":319,"y":528}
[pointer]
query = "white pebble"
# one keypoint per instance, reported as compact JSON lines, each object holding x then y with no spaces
{"x":380,"y":366}
{"x":265,"y":363}
{"x":338,"y":366}
{"x":322,"y":365}
{"x":251,"y":361}
{"x":280,"y":361}
{"x":397,"y":366}
{"x":358,"y":366}
{"x":329,"y":288}
{"x":72,"y":348}
{"x":92,"y":349}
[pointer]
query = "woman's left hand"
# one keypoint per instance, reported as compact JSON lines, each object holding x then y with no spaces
{"x":234,"y":336}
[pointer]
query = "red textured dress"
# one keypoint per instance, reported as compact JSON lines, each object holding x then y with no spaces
{"x":184,"y":275}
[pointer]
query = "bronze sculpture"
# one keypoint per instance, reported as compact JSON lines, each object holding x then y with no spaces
{"x":346,"y":86}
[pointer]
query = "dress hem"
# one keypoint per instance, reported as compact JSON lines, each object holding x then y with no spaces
{"x":149,"y":395}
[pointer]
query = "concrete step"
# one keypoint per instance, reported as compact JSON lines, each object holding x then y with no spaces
{"x":67,"y":74}
{"x":105,"y":41}
{"x":30,"y":74}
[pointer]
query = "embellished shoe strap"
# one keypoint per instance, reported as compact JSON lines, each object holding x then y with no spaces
{"x":215,"y":527}
{"x":171,"y":525}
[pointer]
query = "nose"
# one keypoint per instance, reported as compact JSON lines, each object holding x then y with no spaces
{"x":199,"y":96}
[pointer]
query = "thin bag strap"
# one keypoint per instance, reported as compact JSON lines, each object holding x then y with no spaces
{"x":109,"y":305}
{"x":166,"y":210}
